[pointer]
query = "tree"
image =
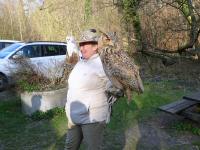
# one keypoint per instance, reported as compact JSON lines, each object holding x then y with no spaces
{"x":165,"y":29}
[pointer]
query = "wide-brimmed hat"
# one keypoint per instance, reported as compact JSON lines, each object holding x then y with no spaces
{"x":89,"y":35}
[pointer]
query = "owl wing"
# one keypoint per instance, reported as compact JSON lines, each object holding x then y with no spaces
{"x":123,"y":68}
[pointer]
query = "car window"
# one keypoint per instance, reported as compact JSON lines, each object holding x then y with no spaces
{"x":62,"y":49}
{"x":53,"y":50}
{"x":1,"y":45}
{"x":7,"y":44}
{"x":30,"y":51}
{"x":6,"y":51}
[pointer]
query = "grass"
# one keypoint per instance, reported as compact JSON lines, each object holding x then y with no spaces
{"x":21,"y":132}
{"x":18,"y":131}
{"x":145,"y":105}
{"x":184,"y":126}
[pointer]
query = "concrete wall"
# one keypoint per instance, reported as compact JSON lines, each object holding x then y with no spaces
{"x":43,"y":101}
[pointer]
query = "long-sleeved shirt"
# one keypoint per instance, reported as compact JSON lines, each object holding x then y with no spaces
{"x":86,"y":98}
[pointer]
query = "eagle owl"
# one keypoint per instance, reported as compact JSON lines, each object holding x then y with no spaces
{"x":72,"y":57}
{"x":118,"y":66}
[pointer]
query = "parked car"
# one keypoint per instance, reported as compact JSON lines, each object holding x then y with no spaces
{"x":46,"y":56}
{"x":5,"y":43}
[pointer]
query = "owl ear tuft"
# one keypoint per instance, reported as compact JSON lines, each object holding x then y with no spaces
{"x":104,"y":35}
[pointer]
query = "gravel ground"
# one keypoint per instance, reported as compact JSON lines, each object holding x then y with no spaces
{"x":153,"y":134}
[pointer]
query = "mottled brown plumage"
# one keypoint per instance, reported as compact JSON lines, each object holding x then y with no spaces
{"x":69,"y":65}
{"x":72,"y":57}
{"x":119,"y":67}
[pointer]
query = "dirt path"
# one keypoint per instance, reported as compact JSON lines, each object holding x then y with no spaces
{"x":152,"y":134}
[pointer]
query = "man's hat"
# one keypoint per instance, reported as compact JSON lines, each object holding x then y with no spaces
{"x":90,"y":35}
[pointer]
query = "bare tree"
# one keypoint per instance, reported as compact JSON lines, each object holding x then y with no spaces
{"x":170,"y":29}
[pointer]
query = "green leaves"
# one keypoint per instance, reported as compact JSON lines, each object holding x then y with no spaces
{"x":38,"y":115}
{"x":131,"y":17}
{"x":182,"y":126}
{"x":25,"y":86}
{"x":185,"y":7}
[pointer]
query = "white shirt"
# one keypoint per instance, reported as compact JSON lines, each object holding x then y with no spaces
{"x":86,"y":99}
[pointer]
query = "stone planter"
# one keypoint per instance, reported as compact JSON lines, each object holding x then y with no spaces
{"x":43,"y":101}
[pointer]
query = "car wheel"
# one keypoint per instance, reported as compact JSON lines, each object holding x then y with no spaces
{"x":3,"y":82}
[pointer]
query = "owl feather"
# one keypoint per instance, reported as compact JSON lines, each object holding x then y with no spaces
{"x":119,"y":67}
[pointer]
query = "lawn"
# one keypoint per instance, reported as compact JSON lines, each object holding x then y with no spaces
{"x":21,"y":132}
{"x":47,"y":131}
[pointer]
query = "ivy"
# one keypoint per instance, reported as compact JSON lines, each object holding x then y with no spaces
{"x":185,"y":7}
{"x":88,"y":9}
{"x":131,"y":17}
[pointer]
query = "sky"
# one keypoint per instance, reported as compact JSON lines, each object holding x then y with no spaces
{"x":40,"y":2}
{"x":29,"y":7}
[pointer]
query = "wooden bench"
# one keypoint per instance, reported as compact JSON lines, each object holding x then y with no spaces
{"x":182,"y":106}
{"x":191,"y":115}
{"x":178,"y":106}
{"x":193,"y":97}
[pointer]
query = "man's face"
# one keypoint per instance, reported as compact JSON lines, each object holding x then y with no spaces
{"x":88,"y":49}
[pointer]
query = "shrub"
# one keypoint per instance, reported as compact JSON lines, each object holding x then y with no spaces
{"x":38,"y":115}
{"x":30,"y":77}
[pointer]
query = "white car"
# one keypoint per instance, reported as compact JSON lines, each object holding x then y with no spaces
{"x":49,"y":57}
{"x":5,"y":43}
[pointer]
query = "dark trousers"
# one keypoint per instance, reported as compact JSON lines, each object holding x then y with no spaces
{"x":92,"y":134}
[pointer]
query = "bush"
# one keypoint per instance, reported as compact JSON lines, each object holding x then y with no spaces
{"x":30,"y":78}
{"x":38,"y":115}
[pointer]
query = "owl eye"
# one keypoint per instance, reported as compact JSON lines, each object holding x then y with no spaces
{"x":93,"y":30}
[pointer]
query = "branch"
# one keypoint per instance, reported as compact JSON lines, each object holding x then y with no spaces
{"x":167,"y":56}
{"x":190,"y":44}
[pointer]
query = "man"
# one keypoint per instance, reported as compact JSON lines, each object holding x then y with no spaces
{"x":87,"y":107}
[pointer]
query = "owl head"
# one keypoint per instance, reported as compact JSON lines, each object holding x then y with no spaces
{"x":107,"y":39}
{"x":72,"y":46}
{"x":70,"y":39}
